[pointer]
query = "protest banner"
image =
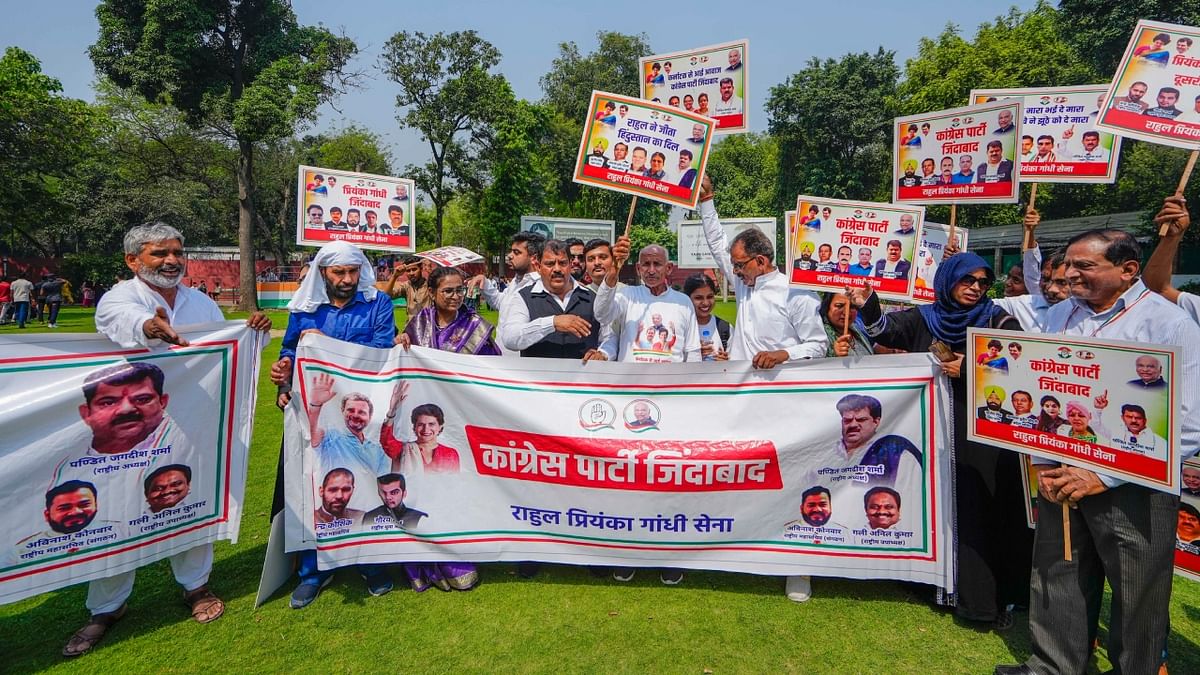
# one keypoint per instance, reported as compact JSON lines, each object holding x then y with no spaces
{"x":692,"y":247}
{"x":567,"y":228}
{"x":693,"y":465}
{"x":1104,"y":405}
{"x":1187,"y":531}
{"x":369,"y":211}
{"x":114,"y":458}
{"x":1159,"y":73}
{"x":934,"y":237}
{"x":1059,"y":140}
{"x":839,"y":243}
{"x":644,"y":149}
{"x":709,"y":81}
{"x":958,"y":155}
{"x":451,"y":256}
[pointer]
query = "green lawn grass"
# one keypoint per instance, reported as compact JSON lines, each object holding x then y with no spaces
{"x":563,"y":621}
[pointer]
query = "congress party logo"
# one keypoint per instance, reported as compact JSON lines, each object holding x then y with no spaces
{"x":596,"y":414}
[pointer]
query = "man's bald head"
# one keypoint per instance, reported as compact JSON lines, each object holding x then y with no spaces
{"x":654,"y":268}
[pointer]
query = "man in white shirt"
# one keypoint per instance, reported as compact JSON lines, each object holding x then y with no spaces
{"x":775,"y":322}
{"x":1120,"y":531}
{"x":652,"y":306}
{"x":523,"y":251}
{"x":145,"y":312}
{"x":727,"y":104}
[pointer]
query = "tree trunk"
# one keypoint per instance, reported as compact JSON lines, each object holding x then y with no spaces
{"x":246,"y":277}
{"x":439,"y":214}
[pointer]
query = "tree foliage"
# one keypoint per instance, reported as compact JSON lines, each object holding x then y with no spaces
{"x":832,"y":121}
{"x":449,"y":95}
{"x":244,"y":68}
{"x":1099,"y":30}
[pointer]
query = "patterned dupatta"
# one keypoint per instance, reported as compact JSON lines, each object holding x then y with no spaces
{"x":469,"y":333}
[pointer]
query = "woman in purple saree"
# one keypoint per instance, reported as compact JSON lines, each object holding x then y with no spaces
{"x":448,"y":326}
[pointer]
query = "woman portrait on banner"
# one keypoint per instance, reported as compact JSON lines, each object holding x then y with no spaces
{"x":994,"y":544}
{"x":834,"y":308}
{"x":1079,"y":421}
{"x":1050,"y":420}
{"x":449,"y":326}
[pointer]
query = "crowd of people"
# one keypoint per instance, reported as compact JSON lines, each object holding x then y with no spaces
{"x":565,"y":302}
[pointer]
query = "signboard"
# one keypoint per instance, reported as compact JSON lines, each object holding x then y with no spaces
{"x":369,"y":211}
{"x":1104,"y":405}
{"x":693,"y":247}
{"x":1059,"y":139}
{"x":838,"y":243}
{"x":451,"y":256}
{"x":566,"y":228}
{"x":710,"y":81}
{"x":1154,"y":93}
{"x":962,"y":155}
{"x":934,"y":237}
{"x":644,"y":149}
{"x":1187,"y":531}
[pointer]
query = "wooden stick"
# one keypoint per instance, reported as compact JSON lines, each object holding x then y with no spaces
{"x":1066,"y":531}
{"x":629,"y":220}
{"x":846,"y":318}
{"x":1025,"y":243}
{"x":1183,"y":181}
{"x":953,"y":221}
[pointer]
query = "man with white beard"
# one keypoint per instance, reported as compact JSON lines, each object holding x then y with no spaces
{"x":141,"y":312}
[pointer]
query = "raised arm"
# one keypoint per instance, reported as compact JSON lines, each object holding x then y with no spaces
{"x":1157,"y":275}
{"x":320,"y":393}
{"x":714,"y":234}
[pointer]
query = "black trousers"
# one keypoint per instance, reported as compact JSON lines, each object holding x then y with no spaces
{"x":1127,"y":535}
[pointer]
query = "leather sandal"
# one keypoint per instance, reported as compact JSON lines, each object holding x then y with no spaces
{"x":85,"y":638}
{"x":205,"y":606}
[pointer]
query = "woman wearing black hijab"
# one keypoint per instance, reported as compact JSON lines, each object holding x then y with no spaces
{"x":993,"y":541}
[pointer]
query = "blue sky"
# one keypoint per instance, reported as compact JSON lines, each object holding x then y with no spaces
{"x":783,"y":37}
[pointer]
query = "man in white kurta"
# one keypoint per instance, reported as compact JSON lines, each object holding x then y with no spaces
{"x":775,"y":322}
{"x":658,"y":323}
{"x":145,"y":312}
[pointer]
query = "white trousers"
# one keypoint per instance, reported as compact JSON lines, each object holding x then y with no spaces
{"x":191,"y":569}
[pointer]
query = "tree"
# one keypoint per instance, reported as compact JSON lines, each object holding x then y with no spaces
{"x":744,"y":169}
{"x":1015,"y":50}
{"x":244,"y":68}
{"x":446,"y":93}
{"x":44,"y":137}
{"x":567,"y":89}
{"x":832,"y":121}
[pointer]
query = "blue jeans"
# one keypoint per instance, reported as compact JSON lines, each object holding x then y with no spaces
{"x":309,"y":574}
{"x":22,"y":313}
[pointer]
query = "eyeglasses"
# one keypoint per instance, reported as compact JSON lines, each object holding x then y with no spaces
{"x":972,"y":280}
{"x":739,"y":265}
{"x":450,"y":292}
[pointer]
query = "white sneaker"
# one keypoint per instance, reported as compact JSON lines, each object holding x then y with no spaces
{"x":799,"y":588}
{"x":624,"y":573}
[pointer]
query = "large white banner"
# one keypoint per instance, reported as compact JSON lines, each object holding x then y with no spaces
{"x":687,"y":465}
{"x":113,"y":458}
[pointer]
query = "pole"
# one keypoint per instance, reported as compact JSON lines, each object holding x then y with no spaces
{"x":846,"y":318}
{"x":1025,"y":242}
{"x":629,"y":220}
{"x":1183,"y":181}
{"x":1066,"y":531}
{"x":953,"y":221}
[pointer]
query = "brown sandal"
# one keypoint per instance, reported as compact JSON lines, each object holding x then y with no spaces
{"x":85,"y":638}
{"x":205,"y":606}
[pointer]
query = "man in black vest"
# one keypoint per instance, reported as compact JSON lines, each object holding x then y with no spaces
{"x":555,"y":319}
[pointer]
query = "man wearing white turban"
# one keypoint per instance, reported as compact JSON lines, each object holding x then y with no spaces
{"x":338,"y":298}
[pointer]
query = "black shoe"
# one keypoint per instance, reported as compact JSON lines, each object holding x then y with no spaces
{"x":1019,"y":669}
{"x":600,"y":571}
{"x":528,"y":570}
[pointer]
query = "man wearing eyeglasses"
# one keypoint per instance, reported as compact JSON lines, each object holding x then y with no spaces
{"x":775,"y":322}
{"x":1046,"y":282}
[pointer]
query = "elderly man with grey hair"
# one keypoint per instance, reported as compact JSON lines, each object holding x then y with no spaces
{"x":141,"y":312}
